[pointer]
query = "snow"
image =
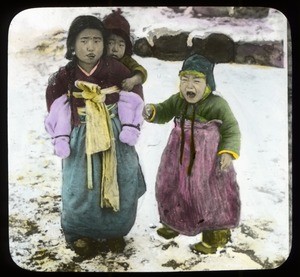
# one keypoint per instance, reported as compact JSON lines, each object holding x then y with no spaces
{"x":257,"y":95}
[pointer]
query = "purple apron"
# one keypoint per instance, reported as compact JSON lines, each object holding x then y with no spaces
{"x":209,"y":198}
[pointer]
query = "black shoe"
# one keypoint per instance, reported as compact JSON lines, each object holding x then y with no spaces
{"x":85,"y":247}
{"x":116,"y":245}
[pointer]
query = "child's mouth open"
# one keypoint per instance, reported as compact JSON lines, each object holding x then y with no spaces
{"x":190,"y":94}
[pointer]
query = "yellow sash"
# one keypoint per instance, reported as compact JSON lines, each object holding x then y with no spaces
{"x":100,"y":138}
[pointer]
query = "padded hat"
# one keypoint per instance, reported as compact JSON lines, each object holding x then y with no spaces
{"x":117,"y":24}
{"x":201,"y":64}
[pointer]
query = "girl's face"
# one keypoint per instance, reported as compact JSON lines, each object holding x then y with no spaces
{"x":192,"y":87}
{"x":89,"y":47}
{"x":116,"y":46}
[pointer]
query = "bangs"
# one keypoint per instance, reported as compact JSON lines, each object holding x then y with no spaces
{"x":192,"y":72}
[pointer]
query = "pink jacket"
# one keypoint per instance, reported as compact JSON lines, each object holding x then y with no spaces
{"x":130,"y":107}
{"x":58,"y":121}
{"x":58,"y":125}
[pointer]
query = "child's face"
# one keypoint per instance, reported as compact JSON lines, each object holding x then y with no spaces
{"x":116,"y":46}
{"x":192,"y":87}
{"x":89,"y":47}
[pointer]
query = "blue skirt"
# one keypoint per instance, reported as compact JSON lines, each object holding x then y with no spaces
{"x":82,"y":215}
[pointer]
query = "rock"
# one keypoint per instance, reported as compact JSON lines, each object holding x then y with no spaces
{"x":250,"y":12}
{"x":212,"y":11}
{"x":142,"y":48}
{"x":262,"y":53}
{"x":237,"y":12}
{"x":218,"y":48}
{"x":171,"y":47}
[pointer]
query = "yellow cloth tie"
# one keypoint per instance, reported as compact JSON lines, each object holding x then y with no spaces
{"x":100,"y":138}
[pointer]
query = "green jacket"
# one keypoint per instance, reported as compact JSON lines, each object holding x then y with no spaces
{"x":212,"y":107}
{"x":134,"y":66}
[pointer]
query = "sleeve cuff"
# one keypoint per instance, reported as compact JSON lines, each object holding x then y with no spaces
{"x":235,"y":155}
{"x":153,"y":115}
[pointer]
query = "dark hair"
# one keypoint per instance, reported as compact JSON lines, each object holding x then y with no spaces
{"x":117,"y":24}
{"x":79,"y":24}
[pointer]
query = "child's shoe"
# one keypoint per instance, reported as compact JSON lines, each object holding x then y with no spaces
{"x":116,"y":245}
{"x":217,"y":238}
{"x":203,"y":248}
{"x":167,"y":232}
{"x":85,"y":248}
{"x":211,"y":241}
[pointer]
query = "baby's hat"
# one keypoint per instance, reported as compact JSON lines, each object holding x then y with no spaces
{"x":116,"y":23}
{"x":201,"y":64}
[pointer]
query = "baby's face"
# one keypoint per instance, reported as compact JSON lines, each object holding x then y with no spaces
{"x":116,"y":46}
{"x":192,"y":87}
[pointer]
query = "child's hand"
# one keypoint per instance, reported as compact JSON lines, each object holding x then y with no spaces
{"x":225,"y":161}
{"x":148,"y":111}
{"x":62,"y":147}
{"x":128,"y":84}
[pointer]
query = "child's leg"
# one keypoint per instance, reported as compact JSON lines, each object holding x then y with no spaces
{"x":217,"y":238}
{"x":211,"y":240}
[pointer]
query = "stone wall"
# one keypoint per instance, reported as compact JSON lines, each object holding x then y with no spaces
{"x":218,"y":47}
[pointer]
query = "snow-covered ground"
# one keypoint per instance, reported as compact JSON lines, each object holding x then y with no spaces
{"x":257,"y":95}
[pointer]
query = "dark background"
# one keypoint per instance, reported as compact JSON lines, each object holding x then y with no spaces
{"x":290,"y":9}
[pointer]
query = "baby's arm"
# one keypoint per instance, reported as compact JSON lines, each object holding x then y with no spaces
{"x":139,"y":73}
{"x":129,"y":83}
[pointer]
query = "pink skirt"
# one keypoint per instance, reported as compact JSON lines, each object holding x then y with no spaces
{"x":208,"y":199}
